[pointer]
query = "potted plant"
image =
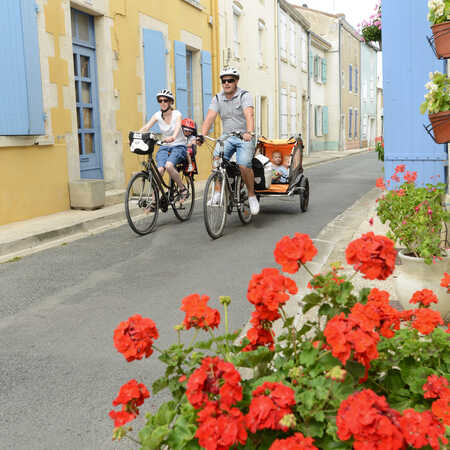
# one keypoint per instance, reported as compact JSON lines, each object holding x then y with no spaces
{"x":417,"y":220}
{"x":437,"y":103}
{"x":358,"y":374}
{"x":438,"y":16}
{"x":379,"y":148}
{"x":370,"y":29}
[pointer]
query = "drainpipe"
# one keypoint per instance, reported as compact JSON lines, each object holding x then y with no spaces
{"x":277,"y":71}
{"x":341,"y":137}
{"x":308,"y":103}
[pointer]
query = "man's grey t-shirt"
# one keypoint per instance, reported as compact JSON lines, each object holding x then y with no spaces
{"x":232,"y":111}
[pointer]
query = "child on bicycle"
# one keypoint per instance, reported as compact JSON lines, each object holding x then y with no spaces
{"x":189,"y":128}
{"x":280,"y":171}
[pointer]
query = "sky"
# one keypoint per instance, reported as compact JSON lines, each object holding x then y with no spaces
{"x":355,"y":10}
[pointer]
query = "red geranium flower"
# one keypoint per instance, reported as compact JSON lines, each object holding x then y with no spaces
{"x":270,"y":403}
{"x":435,"y":386}
{"x":220,"y":429}
{"x":258,"y":337}
{"x":134,"y":337}
{"x":410,"y":176}
{"x":422,"y":429}
{"x":441,"y":407}
{"x":400,"y":168}
{"x":295,"y":442}
{"x":445,"y":282}
{"x":290,"y":252}
{"x":198,"y":313}
{"x":372,"y":255}
{"x":425,"y":297}
{"x":215,"y":379}
{"x":426,"y":320}
{"x":346,"y":335}
{"x":380,"y":183}
{"x":367,"y":418}
{"x":131,"y":395}
{"x":377,"y":295}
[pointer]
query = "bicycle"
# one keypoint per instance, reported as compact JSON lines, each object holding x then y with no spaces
{"x":225,"y":192}
{"x":147,"y":192}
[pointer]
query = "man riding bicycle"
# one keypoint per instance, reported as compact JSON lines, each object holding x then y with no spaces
{"x":235,"y":107}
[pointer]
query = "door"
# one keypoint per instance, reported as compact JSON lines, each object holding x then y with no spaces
{"x":85,"y":74}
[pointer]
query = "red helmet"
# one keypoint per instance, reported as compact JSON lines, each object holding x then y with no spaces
{"x":189,"y":124}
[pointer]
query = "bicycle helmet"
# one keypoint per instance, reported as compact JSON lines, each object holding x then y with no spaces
{"x":189,"y":124}
{"x":165,"y":93}
{"x":229,"y":71}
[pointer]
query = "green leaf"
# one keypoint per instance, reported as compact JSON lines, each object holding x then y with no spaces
{"x":253,"y":358}
{"x":159,"y":384}
{"x":154,"y":439}
{"x":204,"y":345}
{"x":165,"y":413}
{"x":308,"y":355}
{"x":181,"y":434}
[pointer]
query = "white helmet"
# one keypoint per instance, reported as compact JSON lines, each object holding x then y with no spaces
{"x":165,"y":93}
{"x":229,"y":71}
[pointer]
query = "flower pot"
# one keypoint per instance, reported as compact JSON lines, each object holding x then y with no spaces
{"x":441,"y":35}
{"x":441,"y":126}
{"x":414,"y":275}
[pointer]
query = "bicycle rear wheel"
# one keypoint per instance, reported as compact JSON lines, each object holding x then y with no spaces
{"x":215,"y":205}
{"x":183,"y":209}
{"x":142,"y":203}
{"x":244,"y":209}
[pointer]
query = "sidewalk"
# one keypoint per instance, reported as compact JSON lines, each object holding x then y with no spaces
{"x":19,"y":239}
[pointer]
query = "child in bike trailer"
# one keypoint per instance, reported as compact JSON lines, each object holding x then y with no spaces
{"x":189,"y":128}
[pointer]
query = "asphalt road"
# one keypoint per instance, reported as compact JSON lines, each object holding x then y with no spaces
{"x":59,"y":370}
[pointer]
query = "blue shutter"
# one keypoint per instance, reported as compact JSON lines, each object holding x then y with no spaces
{"x":154,"y":70}
{"x":356,"y":80}
{"x":311,"y":63}
{"x":356,"y":123}
{"x":180,"y":77}
{"x":21,"y":106}
{"x":324,"y":70}
{"x":325,"y":120}
{"x":350,"y":78}
{"x":350,"y":119}
{"x":316,"y":121}
{"x":206,"y":80}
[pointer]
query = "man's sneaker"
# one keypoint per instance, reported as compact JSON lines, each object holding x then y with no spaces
{"x":254,"y":205}
{"x":215,"y":199}
{"x":190,"y":168}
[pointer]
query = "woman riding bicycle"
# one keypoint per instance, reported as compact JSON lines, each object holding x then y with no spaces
{"x":174,"y":149}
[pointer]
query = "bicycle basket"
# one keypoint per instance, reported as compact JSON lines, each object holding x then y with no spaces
{"x":141,"y":143}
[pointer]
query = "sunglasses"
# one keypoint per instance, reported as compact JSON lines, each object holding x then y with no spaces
{"x":163,"y":100}
{"x":228,"y":80}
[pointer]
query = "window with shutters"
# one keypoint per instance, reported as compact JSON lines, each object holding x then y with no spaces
{"x":364,"y":127}
{"x":318,"y":120}
{"x":293,"y":113}
{"x":355,"y":134}
{"x":324,"y":120}
{"x":292,"y":42}
{"x":356,"y":80}
{"x":21,"y":106}
{"x":237,"y":11}
{"x":350,"y":77}
{"x":324,"y":70}
{"x":284,"y":113}
{"x":350,"y":122}
{"x":304,"y":54}
{"x":317,"y":68}
{"x":261,"y":39}
{"x":283,"y":36}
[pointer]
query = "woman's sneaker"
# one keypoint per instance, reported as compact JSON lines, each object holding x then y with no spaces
{"x":254,"y":205}
{"x":215,"y":200}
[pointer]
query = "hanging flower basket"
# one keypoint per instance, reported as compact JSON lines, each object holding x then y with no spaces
{"x":441,"y":37}
{"x":440,"y":123}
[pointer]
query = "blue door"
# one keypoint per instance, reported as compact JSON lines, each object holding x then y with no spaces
{"x":88,"y":117}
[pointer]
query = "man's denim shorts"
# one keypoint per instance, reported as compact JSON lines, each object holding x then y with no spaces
{"x":244,"y":150}
{"x":175,"y":155}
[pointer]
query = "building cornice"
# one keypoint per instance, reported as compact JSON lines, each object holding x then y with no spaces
{"x":296,"y":15}
{"x":319,"y":41}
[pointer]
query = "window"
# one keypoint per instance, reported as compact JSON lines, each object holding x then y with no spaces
{"x":342,"y":79}
{"x":316,"y":67}
{"x":356,"y":124}
{"x":21,"y":107}
{"x":350,"y":78}
{"x":292,"y":42}
{"x":284,"y":114}
{"x":364,"y":127}
{"x":304,"y":54}
{"x":356,"y":80}
{"x":324,"y":120}
{"x":283,"y":36}
{"x":350,"y":122}
{"x":318,"y":120}
{"x":261,"y":34}
{"x":324,"y":70}
{"x":293,"y":113}
{"x":237,"y":10}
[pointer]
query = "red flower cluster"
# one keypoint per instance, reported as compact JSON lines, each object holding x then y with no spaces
{"x":220,"y":429}
{"x":380,"y":183}
{"x":441,"y":407}
{"x":217,"y":380}
{"x":295,"y":442}
{"x":268,"y":291}
{"x":372,"y":255}
{"x":270,"y":403}
{"x":422,"y":429}
{"x":424,"y":297}
{"x":198,"y":313}
{"x":445,"y":282}
{"x":435,"y":386}
{"x":290,"y":252}
{"x":347,"y":335}
{"x":131,"y":395}
{"x":134,"y":337}
{"x":410,"y":177}
{"x":426,"y":320}
{"x":368,"y":419}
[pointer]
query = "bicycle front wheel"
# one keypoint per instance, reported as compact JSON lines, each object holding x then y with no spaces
{"x":244,"y":207}
{"x":183,"y":208}
{"x":142,"y":203}
{"x":215,"y":205}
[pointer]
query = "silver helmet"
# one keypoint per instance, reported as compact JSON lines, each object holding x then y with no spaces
{"x":231,"y":71}
{"x":165,"y":93}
